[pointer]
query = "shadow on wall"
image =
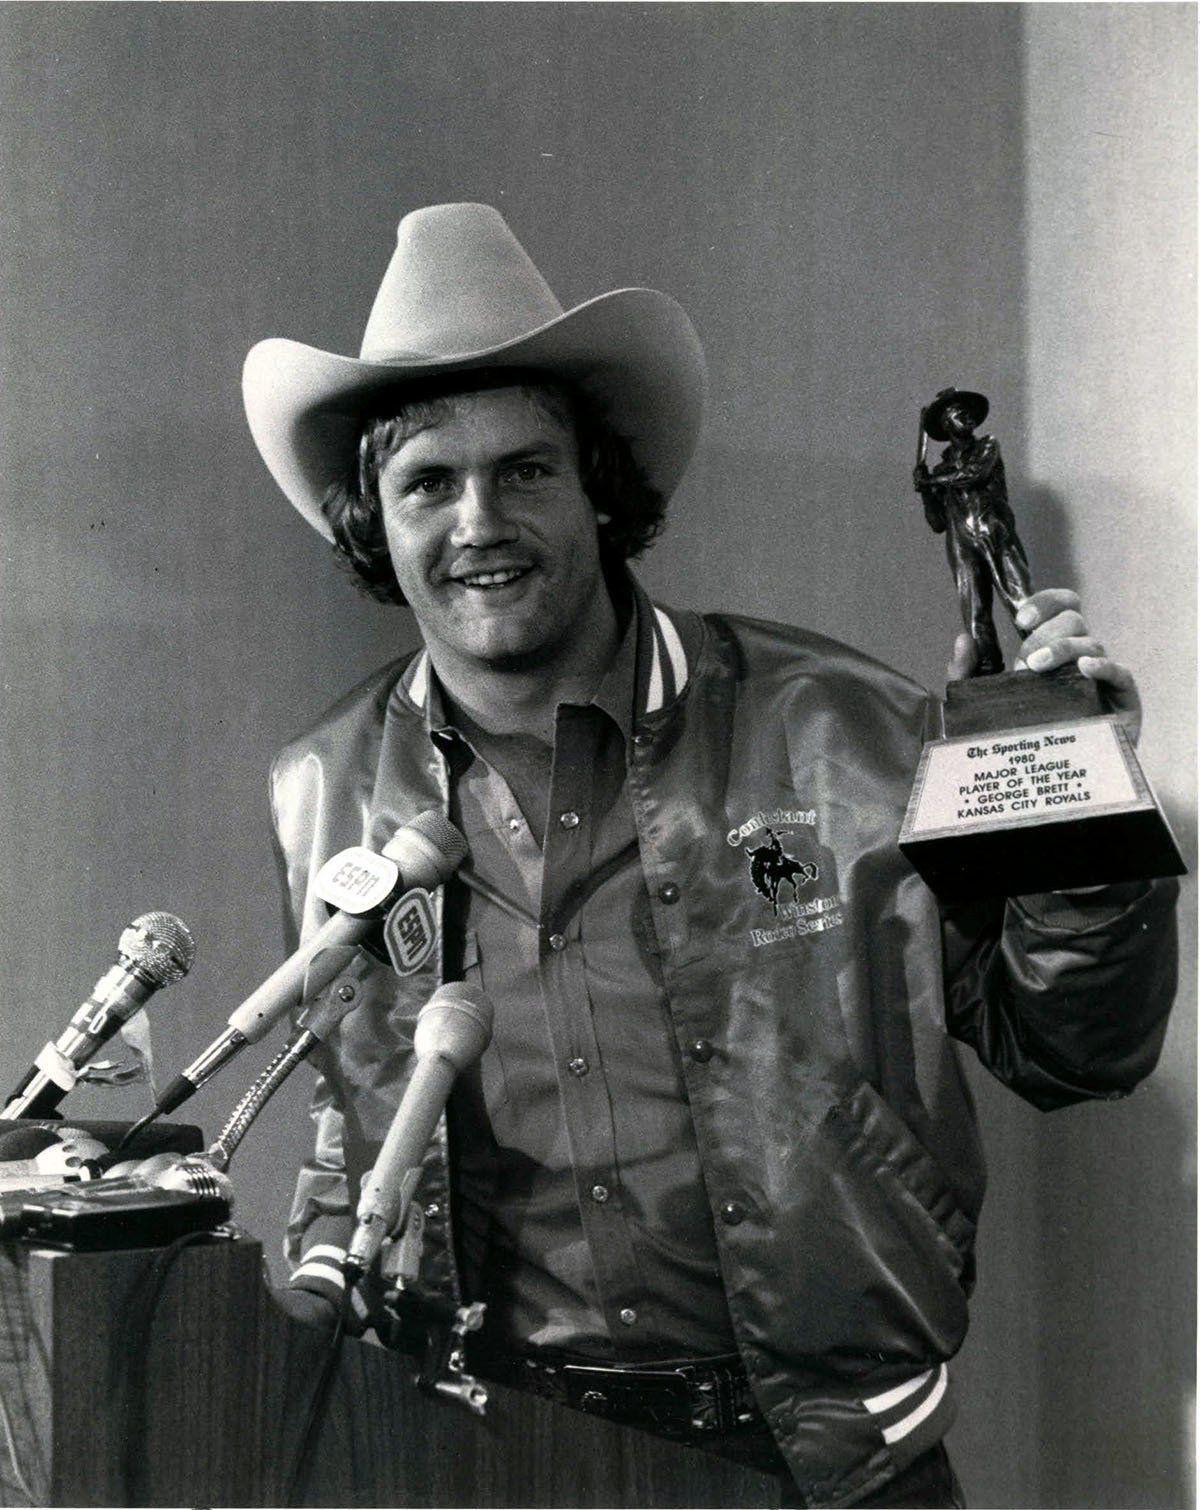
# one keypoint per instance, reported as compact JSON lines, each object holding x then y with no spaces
{"x":1120,"y":1426}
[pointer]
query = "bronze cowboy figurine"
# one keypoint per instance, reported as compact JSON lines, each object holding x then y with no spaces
{"x":966,"y":499}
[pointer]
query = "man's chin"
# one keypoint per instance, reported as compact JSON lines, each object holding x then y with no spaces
{"x":516,"y":658}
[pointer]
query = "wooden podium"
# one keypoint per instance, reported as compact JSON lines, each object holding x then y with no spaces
{"x":204,"y":1405}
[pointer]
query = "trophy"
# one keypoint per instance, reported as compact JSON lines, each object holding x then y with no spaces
{"x":1034,"y":786}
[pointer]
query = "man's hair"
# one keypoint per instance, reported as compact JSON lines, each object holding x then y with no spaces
{"x":612,"y":480}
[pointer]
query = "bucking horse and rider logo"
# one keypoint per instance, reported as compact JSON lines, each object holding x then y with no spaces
{"x":772,"y":867}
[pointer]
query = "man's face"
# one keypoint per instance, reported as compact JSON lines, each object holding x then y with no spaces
{"x":958,"y":421}
{"x":491,"y":536}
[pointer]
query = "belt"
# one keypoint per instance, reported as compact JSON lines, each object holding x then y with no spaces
{"x":687,"y":1399}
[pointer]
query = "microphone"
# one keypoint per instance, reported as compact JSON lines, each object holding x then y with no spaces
{"x":153,"y":951}
{"x":453,"y":1029}
{"x":360,"y":885}
{"x":153,"y":1205}
{"x":36,"y":1158}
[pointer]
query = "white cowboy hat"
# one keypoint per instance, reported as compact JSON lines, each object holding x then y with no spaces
{"x":460,"y":294}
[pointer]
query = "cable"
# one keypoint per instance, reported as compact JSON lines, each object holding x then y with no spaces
{"x":10,"y":1442}
{"x":318,"y":1404}
{"x":135,"y":1355}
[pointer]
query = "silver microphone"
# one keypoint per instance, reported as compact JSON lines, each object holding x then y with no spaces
{"x":153,"y":951}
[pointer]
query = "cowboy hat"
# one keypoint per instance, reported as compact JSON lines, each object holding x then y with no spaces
{"x":974,"y":403}
{"x":460,"y":295}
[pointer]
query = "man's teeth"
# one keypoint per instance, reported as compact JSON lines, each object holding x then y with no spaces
{"x":494,"y":578}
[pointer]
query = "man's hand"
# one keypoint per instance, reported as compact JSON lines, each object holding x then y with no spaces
{"x":1057,"y":635}
{"x":307,"y":1307}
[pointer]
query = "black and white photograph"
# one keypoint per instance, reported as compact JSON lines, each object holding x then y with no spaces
{"x":597,"y":780}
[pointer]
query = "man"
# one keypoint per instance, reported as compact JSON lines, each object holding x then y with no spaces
{"x":966,"y":498}
{"x":714,"y":1126}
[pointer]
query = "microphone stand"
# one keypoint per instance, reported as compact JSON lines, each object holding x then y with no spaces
{"x":316,"y":1022}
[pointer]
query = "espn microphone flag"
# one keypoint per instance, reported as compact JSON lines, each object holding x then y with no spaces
{"x":358,"y":883}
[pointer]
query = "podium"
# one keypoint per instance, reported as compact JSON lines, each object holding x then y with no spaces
{"x":201,"y":1400}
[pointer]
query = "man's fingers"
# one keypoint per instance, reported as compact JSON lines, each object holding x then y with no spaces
{"x":1119,"y":687}
{"x":1060,"y":652}
{"x":1062,"y":626}
{"x":1040,"y":606}
{"x":962,"y":662}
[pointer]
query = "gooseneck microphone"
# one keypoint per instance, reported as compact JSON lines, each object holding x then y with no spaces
{"x":153,"y":951}
{"x":453,"y":1029}
{"x":360,"y":885}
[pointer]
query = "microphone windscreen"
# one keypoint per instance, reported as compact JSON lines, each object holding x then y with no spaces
{"x":160,"y":945}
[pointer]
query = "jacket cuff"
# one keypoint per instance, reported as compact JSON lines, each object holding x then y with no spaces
{"x":1078,"y":911}
{"x":320,"y":1272}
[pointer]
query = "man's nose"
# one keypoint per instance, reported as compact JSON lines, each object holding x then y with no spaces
{"x":480,"y":519}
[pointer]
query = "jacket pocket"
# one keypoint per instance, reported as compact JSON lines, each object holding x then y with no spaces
{"x":883,"y":1146}
{"x":879,"y":1251}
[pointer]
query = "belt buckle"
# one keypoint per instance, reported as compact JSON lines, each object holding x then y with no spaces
{"x":652,"y":1398}
{"x":686,"y":1401}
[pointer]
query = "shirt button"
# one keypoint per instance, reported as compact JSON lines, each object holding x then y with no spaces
{"x":628,"y":1316}
{"x":733,"y":1213}
{"x":557,"y":941}
{"x":577,"y":1066}
{"x":701,"y":1050}
{"x":600,"y":1194}
{"x":515,"y":825}
{"x":569,"y":819}
{"x":668,"y":892}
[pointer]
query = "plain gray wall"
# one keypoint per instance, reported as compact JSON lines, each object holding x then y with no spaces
{"x":857,"y":205}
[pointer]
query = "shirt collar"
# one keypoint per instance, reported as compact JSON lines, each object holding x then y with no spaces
{"x":648,"y":673}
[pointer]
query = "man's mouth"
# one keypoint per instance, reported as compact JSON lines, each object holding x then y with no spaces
{"x":482,"y":581}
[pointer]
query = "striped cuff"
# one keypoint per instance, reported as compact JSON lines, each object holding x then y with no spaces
{"x":914,"y":1413}
{"x":321,"y":1272}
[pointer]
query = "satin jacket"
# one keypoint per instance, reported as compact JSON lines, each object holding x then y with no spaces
{"x":813,"y":997}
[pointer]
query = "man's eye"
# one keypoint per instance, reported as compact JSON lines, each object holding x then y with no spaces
{"x":526,"y":472}
{"x":427,"y":487}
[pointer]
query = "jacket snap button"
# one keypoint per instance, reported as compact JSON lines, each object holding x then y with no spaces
{"x":732,"y":1213}
{"x":593,"y":1399}
{"x":557,"y":942}
{"x":600,"y":1194}
{"x":642,"y":740}
{"x":701,"y":1051}
{"x":668,"y":892}
{"x":569,"y":819}
{"x":577,"y":1066}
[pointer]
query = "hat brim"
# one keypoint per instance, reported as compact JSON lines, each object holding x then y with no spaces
{"x":975,"y":404}
{"x":635,"y":350}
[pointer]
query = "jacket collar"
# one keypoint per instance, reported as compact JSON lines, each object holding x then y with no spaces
{"x":666,"y":655}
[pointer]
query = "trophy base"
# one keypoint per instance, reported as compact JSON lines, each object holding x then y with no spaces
{"x":1017,"y":699}
{"x":1032,"y":789}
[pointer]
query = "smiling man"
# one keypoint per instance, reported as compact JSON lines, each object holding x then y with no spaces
{"x":494,"y":545}
{"x":717,"y":1174}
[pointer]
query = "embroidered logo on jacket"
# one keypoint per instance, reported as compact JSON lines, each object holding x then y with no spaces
{"x":772,"y":867}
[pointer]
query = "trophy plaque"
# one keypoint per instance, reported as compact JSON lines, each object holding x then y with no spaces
{"x":1033,"y":786}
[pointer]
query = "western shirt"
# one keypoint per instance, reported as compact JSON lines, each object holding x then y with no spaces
{"x":583,"y":1207}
